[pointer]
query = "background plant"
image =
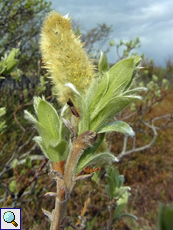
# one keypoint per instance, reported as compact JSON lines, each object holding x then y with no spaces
{"x":20,"y":22}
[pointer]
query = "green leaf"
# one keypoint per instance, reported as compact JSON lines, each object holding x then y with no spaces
{"x":110,"y":187}
{"x":114,"y":188}
{"x":96,"y":91}
{"x":2,"y":111}
{"x":118,"y":126}
{"x":165,"y":218}
{"x":84,"y":118}
{"x":155,"y":78}
{"x":63,"y":111}
{"x":113,"y":173}
{"x":168,"y":219}
{"x":40,"y":142}
{"x":103,"y":63}
{"x":48,"y":118}
{"x":46,"y":137}
{"x":28,"y":162}
{"x":112,"y":176}
{"x":62,"y":126}
{"x":36,"y":103}
{"x":58,"y":152}
{"x":121,"y":204}
{"x":54,"y":152}
{"x":22,"y":172}
{"x":120,"y":180}
{"x":127,"y":215}
{"x":2,"y":68}
{"x":97,"y":159}
{"x":2,"y":126}
{"x":119,"y":77}
{"x":90,"y":151}
{"x":134,"y":91}
{"x":119,"y":191}
{"x":97,"y":143}
{"x":111,"y":109}
{"x":10,"y":65}
{"x":15,"y":161}
{"x":14,"y":52}
{"x":12,"y":185}
{"x":30,"y":117}
{"x":90,"y":224}
{"x":137,"y":60}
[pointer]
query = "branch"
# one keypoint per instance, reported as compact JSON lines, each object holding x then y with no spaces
{"x":15,"y":118}
{"x":36,"y":175}
{"x":66,"y":183}
{"x":16,"y":152}
{"x":33,"y":158}
{"x":154,"y":129}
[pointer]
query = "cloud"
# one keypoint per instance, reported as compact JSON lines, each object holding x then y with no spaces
{"x":150,"y":20}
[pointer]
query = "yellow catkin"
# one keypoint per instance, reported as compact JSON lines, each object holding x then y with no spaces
{"x":64,"y":57}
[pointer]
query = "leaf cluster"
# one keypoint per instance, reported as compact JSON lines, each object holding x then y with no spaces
{"x":107,"y":96}
{"x":20,"y":23}
{"x":116,"y":190}
{"x":51,"y":130}
{"x":8,"y":63}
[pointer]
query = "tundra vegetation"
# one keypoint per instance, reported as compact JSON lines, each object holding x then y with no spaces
{"x":94,"y":124}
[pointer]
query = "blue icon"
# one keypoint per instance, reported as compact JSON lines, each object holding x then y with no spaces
{"x":9,"y":217}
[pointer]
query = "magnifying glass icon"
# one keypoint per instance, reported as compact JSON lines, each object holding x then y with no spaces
{"x":9,"y":218}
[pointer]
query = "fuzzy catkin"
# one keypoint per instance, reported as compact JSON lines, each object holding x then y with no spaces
{"x":64,"y":57}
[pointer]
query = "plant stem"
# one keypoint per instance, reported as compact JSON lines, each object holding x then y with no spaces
{"x":66,"y":183}
{"x":110,"y":220}
{"x":60,"y":206}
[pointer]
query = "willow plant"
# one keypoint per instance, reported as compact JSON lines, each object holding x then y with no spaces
{"x":71,"y":140}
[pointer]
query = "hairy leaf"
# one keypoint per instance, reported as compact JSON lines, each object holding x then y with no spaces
{"x":118,"y":126}
{"x":121,"y":204}
{"x":103,"y":63}
{"x":40,"y":142}
{"x":96,"y":159}
{"x":30,"y":117}
{"x":48,"y":118}
{"x":112,"y":108}
{"x":84,"y":117}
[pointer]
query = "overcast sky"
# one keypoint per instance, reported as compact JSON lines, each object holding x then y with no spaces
{"x":151,"y":20}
